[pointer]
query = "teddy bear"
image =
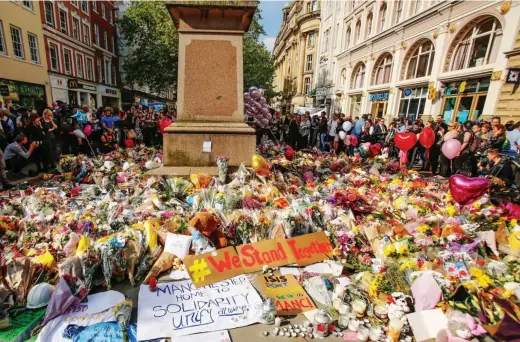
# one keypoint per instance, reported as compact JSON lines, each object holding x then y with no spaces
{"x":208,"y":225}
{"x":400,"y":306}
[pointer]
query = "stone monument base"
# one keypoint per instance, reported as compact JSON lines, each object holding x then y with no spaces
{"x":183,"y":144}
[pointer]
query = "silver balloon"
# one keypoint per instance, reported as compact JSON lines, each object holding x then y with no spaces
{"x":252,"y":88}
{"x":265,"y":122}
{"x":262,"y":100}
{"x":247,"y":97}
{"x":264,"y":110}
{"x":255,"y":94}
{"x":262,"y":91}
{"x":268,"y":116}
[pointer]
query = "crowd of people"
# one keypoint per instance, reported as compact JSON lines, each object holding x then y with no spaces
{"x":30,"y":137}
{"x":487,"y":148}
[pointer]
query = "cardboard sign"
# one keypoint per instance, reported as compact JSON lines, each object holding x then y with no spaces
{"x":179,"y":309}
{"x":273,"y":253}
{"x":290,"y":297}
{"x":310,"y":248}
{"x":208,"y":268}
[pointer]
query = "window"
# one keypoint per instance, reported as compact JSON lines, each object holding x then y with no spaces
{"x":99,"y":70}
{"x":94,"y":5}
{"x":3,"y":48}
{"x":383,"y":69}
{"x":358,"y":32}
{"x":16,"y":37}
{"x":358,"y":76}
{"x":79,"y":65}
{"x":75,"y":3}
{"x":96,"y":34}
{"x":326,"y":45}
{"x":479,"y":46}
{"x":421,"y":61}
{"x":103,"y":13}
{"x":417,"y":6}
{"x":33,"y":48}
{"x":84,"y":6}
{"x":307,"y":86}
{"x":315,"y":6}
{"x":90,"y":69}
{"x":412,"y":106}
{"x":86,"y":34}
{"x":110,"y":17}
{"x":113,"y":45}
{"x":370,"y":19}
{"x":63,"y":21}
{"x":308,"y":66}
{"x":308,"y":7}
{"x":53,"y":54}
{"x":67,"y":61}
{"x":347,"y":38}
{"x":311,"y":40}
{"x":75,"y":28}
{"x":27,"y":4}
{"x":382,"y":17}
{"x":114,"y":74}
{"x":343,"y":78}
{"x":105,"y":40}
{"x":336,"y":36}
{"x":107,"y":72}
{"x":355,"y":105}
{"x":398,"y":11}
{"x":49,"y":13}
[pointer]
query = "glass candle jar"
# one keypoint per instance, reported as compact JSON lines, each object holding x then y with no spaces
{"x":353,"y":325}
{"x":321,"y":323}
{"x":362,"y":334}
{"x":374,"y":334}
{"x":359,"y":308}
{"x":344,"y":316}
{"x":268,"y":311}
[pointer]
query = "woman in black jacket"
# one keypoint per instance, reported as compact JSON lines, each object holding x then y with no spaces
{"x":36,"y":133}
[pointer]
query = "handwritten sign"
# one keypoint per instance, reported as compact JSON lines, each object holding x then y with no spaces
{"x":273,"y":253}
{"x":225,"y":263}
{"x":310,"y":248}
{"x":180,"y":309}
{"x":214,"y":336}
{"x":208,"y":268}
{"x":178,"y":245}
{"x":289,"y":296}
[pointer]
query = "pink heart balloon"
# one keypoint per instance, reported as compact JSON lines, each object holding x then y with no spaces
{"x":465,"y":189}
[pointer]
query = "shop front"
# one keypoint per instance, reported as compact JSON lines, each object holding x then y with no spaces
{"x":412,"y":102}
{"x":109,"y":97}
{"x":59,"y":88}
{"x":464,"y":100}
{"x":23,"y":94}
{"x":81,"y":93}
{"x":379,"y":104}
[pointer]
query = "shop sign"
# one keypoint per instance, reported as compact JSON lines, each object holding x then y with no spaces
{"x":108,"y":91}
{"x":4,"y":90}
{"x":74,"y":84}
{"x":379,"y":97}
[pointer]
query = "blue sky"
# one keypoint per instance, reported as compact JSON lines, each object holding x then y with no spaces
{"x":271,"y":19}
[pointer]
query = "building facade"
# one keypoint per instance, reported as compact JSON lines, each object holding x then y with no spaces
{"x":79,"y":38}
{"x":419,"y":59}
{"x":23,"y":63}
{"x":295,"y":53}
{"x":509,"y":101}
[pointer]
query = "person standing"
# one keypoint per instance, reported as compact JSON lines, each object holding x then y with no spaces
{"x":305,"y":130}
{"x":380,"y":131}
{"x":322,"y":130}
{"x":435,"y":150}
{"x":333,"y":125}
{"x":358,"y":126}
{"x":463,"y":162}
{"x":50,"y":128}
{"x":513,"y":136}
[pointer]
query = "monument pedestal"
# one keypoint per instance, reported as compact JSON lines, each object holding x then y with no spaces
{"x":210,"y":100}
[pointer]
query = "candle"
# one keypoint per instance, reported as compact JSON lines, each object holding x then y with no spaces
{"x":359,"y":307}
{"x":374,"y":334}
{"x":343,"y":321}
{"x":344,"y":309}
{"x":362,"y":334}
{"x":394,"y":329}
{"x":353,"y":325}
{"x":277,"y":322}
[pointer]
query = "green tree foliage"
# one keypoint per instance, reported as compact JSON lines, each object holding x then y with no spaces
{"x":153,"y":58}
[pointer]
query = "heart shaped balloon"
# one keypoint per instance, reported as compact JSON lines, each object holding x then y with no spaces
{"x":427,"y":137}
{"x":260,"y":165}
{"x":405,"y":141}
{"x":375,"y":149}
{"x":353,"y":140}
{"x":465,"y":189}
{"x":289,"y":153}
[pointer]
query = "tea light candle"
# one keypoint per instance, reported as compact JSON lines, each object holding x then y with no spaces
{"x":344,"y":309}
{"x":353,"y":325}
{"x":362,"y":334}
{"x":343,"y":321}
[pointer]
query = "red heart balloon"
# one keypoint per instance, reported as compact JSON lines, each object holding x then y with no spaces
{"x":375,"y":149}
{"x":405,"y":141}
{"x":427,"y":137}
{"x":289,"y":153}
{"x":466,"y":189}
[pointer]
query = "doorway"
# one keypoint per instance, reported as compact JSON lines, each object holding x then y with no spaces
{"x":379,"y":109}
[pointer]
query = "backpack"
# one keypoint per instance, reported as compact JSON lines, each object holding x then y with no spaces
{"x":474,"y":144}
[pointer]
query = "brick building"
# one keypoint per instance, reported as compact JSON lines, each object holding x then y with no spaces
{"x":79,"y":39}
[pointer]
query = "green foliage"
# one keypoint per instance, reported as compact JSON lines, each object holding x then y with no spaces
{"x":153,"y":58}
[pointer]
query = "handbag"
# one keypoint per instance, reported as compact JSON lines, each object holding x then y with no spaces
{"x":131,"y":134}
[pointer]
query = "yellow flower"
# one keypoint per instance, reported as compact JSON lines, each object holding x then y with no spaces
{"x":476,"y":272}
{"x":397,"y":181}
{"x":471,"y":286}
{"x":508,"y":294}
{"x":514,"y":222}
{"x":403,"y":249}
{"x":356,"y":228}
{"x":476,"y":205}
{"x":451,"y":210}
{"x":485,"y":281}
{"x":423,"y":228}
{"x":388,"y":250}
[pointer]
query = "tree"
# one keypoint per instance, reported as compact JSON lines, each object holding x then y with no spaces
{"x":153,"y":55}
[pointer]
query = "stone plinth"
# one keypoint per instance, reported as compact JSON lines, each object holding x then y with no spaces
{"x":210,"y":91}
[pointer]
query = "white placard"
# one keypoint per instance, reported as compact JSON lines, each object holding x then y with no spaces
{"x":179,"y":309}
{"x":427,"y":323}
{"x":206,"y":146}
{"x":178,"y":245}
{"x":214,"y":336}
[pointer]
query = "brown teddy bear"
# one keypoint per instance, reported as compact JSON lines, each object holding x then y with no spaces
{"x":207,"y":224}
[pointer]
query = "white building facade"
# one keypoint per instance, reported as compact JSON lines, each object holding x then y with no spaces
{"x":415,"y":59}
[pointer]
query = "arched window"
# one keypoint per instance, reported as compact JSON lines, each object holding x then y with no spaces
{"x":382,"y":17}
{"x":358,"y":32}
{"x":477,"y":45}
{"x":370,"y":19}
{"x":382,"y":69}
{"x":347,"y":38}
{"x":421,"y":60}
{"x":343,"y":78}
{"x":398,"y":11}
{"x":358,"y":76}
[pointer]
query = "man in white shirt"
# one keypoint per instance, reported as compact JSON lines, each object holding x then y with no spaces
{"x":333,"y":125}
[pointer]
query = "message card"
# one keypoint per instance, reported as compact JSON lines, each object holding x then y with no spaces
{"x":289,"y":296}
{"x":180,"y":309}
